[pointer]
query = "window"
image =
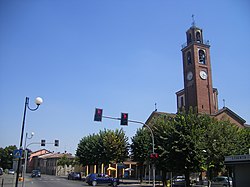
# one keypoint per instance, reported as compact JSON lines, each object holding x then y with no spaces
{"x":202,"y":57}
{"x":198,"y":36}
{"x":189,"y":39}
{"x":182,"y":101}
{"x":189,"y":60}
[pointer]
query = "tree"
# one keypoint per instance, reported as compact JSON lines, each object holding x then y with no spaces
{"x":140,"y":148}
{"x":104,"y":147}
{"x":6,"y":156}
{"x":177,"y":143}
{"x":115,"y":145}
{"x":191,"y":142}
{"x":64,"y":160}
{"x":89,"y":150}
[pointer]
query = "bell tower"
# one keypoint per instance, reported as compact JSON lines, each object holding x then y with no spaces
{"x":198,"y":91}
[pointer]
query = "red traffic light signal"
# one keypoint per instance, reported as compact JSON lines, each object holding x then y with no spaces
{"x":98,"y":114}
{"x":154,"y":155}
{"x":124,"y":118}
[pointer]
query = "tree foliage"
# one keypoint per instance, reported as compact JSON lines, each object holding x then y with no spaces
{"x":64,"y":161}
{"x":191,"y":142}
{"x":6,"y":156}
{"x":104,"y":147}
{"x":141,"y":147}
{"x":177,"y":140}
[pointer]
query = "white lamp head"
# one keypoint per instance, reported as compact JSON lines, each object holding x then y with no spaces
{"x":39,"y":100}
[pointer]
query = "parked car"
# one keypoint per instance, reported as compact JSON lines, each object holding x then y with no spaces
{"x":11,"y":171}
{"x":222,"y":181}
{"x":1,"y":171}
{"x":74,"y":176}
{"x":94,"y":179}
{"x":179,"y":181}
{"x":36,"y":173}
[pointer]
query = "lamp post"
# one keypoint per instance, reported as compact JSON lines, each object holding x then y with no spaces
{"x":38,"y":102}
{"x":26,"y":153}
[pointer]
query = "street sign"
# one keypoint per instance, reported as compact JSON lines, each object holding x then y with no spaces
{"x":18,"y":153}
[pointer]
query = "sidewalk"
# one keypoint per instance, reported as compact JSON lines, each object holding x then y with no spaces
{"x":134,"y":182}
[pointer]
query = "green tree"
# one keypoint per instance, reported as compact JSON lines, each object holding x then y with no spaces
{"x":177,"y":140}
{"x":190,"y":142}
{"x":115,"y":145}
{"x":104,"y":147}
{"x":64,"y":161}
{"x":141,"y":148}
{"x":89,"y":150}
{"x":222,"y":138}
{"x":6,"y":156}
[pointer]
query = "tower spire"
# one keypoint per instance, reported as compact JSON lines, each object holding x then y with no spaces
{"x":193,"y":21}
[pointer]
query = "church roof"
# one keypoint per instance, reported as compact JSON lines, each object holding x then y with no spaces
{"x":230,"y":113}
{"x":219,"y":115}
{"x":156,"y":114}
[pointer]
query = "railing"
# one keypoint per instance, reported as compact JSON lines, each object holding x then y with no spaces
{"x":194,"y":42}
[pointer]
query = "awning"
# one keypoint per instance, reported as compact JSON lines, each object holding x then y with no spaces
{"x":111,"y":168}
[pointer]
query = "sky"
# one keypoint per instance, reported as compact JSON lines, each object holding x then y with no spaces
{"x":118,"y":55}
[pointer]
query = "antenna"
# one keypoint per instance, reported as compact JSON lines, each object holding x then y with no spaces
{"x":193,"y":23}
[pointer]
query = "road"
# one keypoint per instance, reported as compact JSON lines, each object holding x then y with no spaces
{"x":50,"y":181}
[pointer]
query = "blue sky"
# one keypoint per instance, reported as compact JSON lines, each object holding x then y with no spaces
{"x":119,"y":55}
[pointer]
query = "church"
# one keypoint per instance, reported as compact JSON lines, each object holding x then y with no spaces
{"x":198,"y":91}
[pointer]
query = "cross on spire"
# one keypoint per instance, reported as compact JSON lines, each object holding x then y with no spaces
{"x":193,"y":21}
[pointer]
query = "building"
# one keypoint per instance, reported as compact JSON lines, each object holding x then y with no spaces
{"x":240,"y":166}
{"x":33,"y":162}
{"x":47,"y":162}
{"x":198,"y":91}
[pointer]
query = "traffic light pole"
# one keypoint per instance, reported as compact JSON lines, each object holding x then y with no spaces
{"x":152,"y":136}
{"x":153,"y":144}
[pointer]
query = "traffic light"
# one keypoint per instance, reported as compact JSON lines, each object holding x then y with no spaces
{"x":124,"y":119}
{"x":42,"y":142}
{"x":98,"y":114}
{"x":154,"y":155}
{"x":57,"y":143}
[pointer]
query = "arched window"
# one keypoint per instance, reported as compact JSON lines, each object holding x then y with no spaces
{"x":202,"y":57}
{"x":198,"y":36}
{"x":189,"y":40}
{"x":189,"y":60}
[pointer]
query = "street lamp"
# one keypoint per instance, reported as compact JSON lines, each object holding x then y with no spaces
{"x":38,"y":102}
{"x":26,"y":153}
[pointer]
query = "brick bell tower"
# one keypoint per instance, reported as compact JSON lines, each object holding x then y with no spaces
{"x":198,"y":91}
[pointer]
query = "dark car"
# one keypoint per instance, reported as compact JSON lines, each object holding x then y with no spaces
{"x":74,"y":176}
{"x":1,"y":171}
{"x":179,"y":181}
{"x":36,"y":173}
{"x":94,"y":179}
{"x":222,"y":181}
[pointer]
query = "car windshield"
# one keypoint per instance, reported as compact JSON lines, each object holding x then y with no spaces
{"x":221,"y":179}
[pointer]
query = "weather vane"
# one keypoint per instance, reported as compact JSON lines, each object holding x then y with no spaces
{"x":193,"y":23}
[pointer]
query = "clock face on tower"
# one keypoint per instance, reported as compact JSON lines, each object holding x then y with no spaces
{"x":203,"y":75}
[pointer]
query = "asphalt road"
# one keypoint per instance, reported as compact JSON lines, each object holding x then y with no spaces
{"x":51,"y":181}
